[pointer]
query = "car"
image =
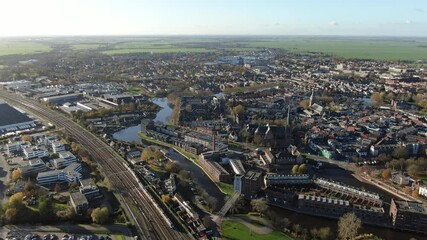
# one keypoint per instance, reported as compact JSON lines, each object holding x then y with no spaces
{"x":28,"y":236}
{"x":46,"y":236}
{"x":53,"y":237}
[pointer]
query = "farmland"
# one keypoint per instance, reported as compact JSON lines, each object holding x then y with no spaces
{"x":22,"y":48}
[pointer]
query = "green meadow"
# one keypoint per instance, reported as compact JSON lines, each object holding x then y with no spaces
{"x":22,"y":48}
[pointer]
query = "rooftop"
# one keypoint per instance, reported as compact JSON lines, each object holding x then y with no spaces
{"x":10,"y":115}
{"x":413,"y":207}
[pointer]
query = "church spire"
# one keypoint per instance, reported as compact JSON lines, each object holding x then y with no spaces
{"x":311,"y":98}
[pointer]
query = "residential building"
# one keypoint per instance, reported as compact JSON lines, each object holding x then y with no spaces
{"x":278,"y":179}
{"x":252,"y":183}
{"x":79,"y":202}
{"x":409,"y":216}
{"x":209,"y":162}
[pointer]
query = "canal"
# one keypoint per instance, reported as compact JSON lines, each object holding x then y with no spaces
{"x":306,"y":221}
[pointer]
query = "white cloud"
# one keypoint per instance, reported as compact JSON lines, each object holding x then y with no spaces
{"x":408,"y":21}
{"x":333,"y":23}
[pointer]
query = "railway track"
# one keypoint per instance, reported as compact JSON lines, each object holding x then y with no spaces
{"x":148,"y":218}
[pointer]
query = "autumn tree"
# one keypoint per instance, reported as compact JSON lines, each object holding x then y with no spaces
{"x":26,"y":138}
{"x":302,"y":169}
{"x":348,"y":226}
{"x":377,"y":98}
{"x":166,"y":198}
{"x":16,"y":174}
{"x":295,"y":169}
{"x":149,"y":154}
{"x":412,"y":170}
{"x":400,"y":152}
{"x":57,"y":188}
{"x":323,"y":233}
{"x":305,"y":104}
{"x":386,"y":174}
{"x":11,"y":214}
{"x":100,"y":215}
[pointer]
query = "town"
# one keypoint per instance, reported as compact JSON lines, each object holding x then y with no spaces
{"x":208,"y":139}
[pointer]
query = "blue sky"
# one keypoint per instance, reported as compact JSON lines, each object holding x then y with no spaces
{"x":224,"y":17}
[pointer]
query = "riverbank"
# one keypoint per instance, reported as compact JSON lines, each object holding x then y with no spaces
{"x":225,"y":188}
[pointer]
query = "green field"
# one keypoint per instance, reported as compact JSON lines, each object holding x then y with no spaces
{"x":21,"y":48}
{"x":235,"y":231}
{"x":381,"y":49}
{"x":86,"y":46}
{"x":363,"y":48}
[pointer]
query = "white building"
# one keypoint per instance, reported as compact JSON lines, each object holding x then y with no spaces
{"x":68,"y":174}
{"x":34,"y":166}
{"x":33,"y":152}
{"x":16,"y":147}
{"x":65,"y":159}
{"x":58,"y":146}
{"x":422,"y":191}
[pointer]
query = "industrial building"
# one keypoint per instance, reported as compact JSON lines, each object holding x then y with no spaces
{"x":12,"y":120}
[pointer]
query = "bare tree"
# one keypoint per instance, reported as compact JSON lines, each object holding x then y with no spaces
{"x":348,"y":226}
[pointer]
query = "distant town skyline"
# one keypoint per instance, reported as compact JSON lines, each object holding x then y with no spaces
{"x":219,"y":17}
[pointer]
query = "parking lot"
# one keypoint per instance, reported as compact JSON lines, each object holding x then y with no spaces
{"x":65,"y":232}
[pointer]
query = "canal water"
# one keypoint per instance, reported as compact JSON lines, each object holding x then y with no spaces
{"x":306,"y":221}
{"x":130,"y":134}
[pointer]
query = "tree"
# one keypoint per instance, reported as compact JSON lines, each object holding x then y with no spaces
{"x":45,"y":209}
{"x":258,"y":140}
{"x":16,"y":174}
{"x":323,"y":233}
{"x":149,"y":154}
{"x":386,"y":174}
{"x":296,"y":228}
{"x":207,"y":222}
{"x":302,"y":169}
{"x":305,"y":104}
{"x":295,"y":169}
{"x":259,"y":205}
{"x":15,"y":201}
{"x":286,"y":223}
{"x":29,"y":186}
{"x":172,"y":167}
{"x":57,"y":188}
{"x":413,"y":170}
{"x":11,"y":214}
{"x":239,"y":109}
{"x":400,"y":152}
{"x":348,"y":226}
{"x":377,"y":98}
{"x":415,"y":193}
{"x":26,"y":138}
{"x":100,"y":215}
{"x":166,"y":198}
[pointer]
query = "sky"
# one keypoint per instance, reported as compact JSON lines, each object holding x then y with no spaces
{"x":213,"y":17}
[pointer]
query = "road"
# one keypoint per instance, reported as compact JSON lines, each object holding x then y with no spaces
{"x":148,"y":219}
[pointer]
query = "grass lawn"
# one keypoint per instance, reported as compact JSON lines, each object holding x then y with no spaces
{"x":235,"y":231}
{"x":21,"y":48}
{"x":423,"y":177}
{"x":226,"y":188}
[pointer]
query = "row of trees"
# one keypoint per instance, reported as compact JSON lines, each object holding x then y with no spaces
{"x":299,"y":169}
{"x":348,"y":225}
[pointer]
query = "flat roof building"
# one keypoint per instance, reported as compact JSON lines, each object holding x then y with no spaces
{"x":13,"y":120}
{"x":410,"y":216}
